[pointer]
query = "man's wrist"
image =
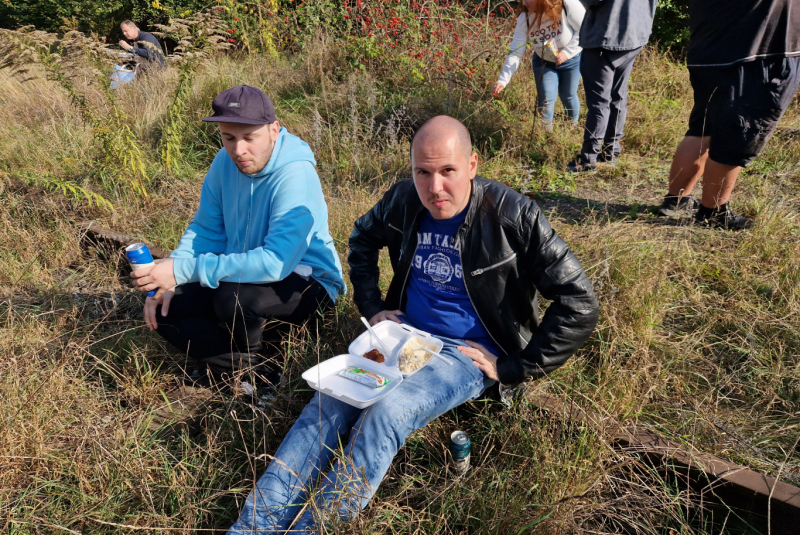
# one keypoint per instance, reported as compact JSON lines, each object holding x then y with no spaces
{"x":371,"y":309}
{"x":509,"y":369}
{"x":185,"y":270}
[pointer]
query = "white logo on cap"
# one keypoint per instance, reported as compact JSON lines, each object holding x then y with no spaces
{"x":234,"y":105}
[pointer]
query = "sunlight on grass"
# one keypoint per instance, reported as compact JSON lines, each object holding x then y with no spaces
{"x":698,"y":339}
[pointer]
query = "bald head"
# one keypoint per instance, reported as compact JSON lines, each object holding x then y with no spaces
{"x":443,"y":166}
{"x":442,"y":128}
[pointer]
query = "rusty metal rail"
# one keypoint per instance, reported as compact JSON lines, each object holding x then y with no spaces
{"x":764,"y":497}
{"x":100,"y":234}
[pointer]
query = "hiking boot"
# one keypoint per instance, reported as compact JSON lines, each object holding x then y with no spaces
{"x":263,"y":391}
{"x":607,"y":156}
{"x":722,"y":217}
{"x":579,"y":165}
{"x":678,"y":206}
{"x":267,"y":379}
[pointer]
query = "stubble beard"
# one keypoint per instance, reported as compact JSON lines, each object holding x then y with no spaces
{"x":440,"y":211}
{"x":249,"y":169}
{"x":253,"y":167}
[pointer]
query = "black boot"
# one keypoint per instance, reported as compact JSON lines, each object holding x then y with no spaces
{"x":722,"y":217}
{"x":580,"y":165}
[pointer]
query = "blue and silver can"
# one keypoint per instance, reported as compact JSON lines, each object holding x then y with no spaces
{"x":139,"y":257}
{"x":459,"y":450}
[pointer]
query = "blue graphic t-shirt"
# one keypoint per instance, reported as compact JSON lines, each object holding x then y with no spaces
{"x":437,"y":299}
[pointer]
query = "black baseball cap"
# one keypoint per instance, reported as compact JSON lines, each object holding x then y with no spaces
{"x":242,"y":104}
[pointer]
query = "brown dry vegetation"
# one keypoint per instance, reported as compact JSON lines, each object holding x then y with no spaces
{"x":698,"y":340}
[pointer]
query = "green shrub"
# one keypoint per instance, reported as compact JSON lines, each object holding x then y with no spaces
{"x":671,"y":24}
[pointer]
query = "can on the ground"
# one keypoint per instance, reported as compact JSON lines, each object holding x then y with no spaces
{"x":459,"y":450}
{"x":139,"y":257}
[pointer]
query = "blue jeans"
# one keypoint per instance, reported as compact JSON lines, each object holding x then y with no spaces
{"x":376,"y":434}
{"x":561,"y":80}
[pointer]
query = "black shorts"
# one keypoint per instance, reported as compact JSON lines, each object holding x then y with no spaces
{"x":739,"y":106}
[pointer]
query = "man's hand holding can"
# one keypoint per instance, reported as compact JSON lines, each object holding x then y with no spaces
{"x":160,"y":277}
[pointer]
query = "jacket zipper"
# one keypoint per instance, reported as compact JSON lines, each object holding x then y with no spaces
{"x":405,"y":281}
{"x":498,"y":264}
{"x":471,"y":302}
{"x":415,"y":227}
{"x":497,"y":345}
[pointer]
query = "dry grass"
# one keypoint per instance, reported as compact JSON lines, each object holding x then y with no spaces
{"x":698,"y":339}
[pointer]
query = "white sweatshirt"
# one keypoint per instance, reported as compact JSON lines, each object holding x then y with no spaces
{"x":566,"y":37}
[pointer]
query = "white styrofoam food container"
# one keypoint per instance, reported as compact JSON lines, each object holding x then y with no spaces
{"x":394,"y":336}
{"x":324,"y":377}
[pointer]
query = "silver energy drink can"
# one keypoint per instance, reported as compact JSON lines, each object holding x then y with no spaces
{"x":139,"y":257}
{"x":459,"y":450}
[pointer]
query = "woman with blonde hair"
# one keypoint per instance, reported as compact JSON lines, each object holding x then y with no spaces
{"x":551,"y":28}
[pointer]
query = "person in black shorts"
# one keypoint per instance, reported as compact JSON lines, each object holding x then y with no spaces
{"x":744,"y":66}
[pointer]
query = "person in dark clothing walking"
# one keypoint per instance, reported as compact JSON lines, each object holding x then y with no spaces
{"x":612,"y":35}
{"x":145,"y":45}
{"x":744,"y":65}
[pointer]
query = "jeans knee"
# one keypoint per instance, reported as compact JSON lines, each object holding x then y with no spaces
{"x":572,"y":105}
{"x":387,"y":427}
{"x":334,"y":413}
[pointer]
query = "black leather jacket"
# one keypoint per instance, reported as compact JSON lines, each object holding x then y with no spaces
{"x":508,"y":252}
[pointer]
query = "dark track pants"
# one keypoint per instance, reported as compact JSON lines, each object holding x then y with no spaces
{"x":223,"y":327}
{"x":605,"y":80}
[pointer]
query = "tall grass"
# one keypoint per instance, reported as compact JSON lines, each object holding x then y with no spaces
{"x":698,"y":337}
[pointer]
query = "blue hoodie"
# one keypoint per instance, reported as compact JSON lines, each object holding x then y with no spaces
{"x":259,"y":228}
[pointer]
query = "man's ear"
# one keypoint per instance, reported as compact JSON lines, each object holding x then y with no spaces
{"x":473,"y":165}
{"x":275,"y":128}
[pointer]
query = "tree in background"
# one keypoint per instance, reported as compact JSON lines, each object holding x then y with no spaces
{"x":90,"y":16}
{"x":671,"y":24}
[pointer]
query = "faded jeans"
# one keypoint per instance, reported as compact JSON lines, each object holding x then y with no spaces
{"x":376,"y":434}
{"x":562,"y":80}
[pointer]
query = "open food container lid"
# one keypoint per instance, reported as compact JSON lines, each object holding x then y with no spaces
{"x":325,"y":378}
{"x":394,"y":337}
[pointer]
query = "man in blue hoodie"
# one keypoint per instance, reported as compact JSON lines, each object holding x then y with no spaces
{"x":257,"y":248}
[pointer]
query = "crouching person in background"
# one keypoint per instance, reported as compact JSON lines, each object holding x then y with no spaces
{"x":142,"y":45}
{"x":258,"y":247}
{"x":469,"y":256}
